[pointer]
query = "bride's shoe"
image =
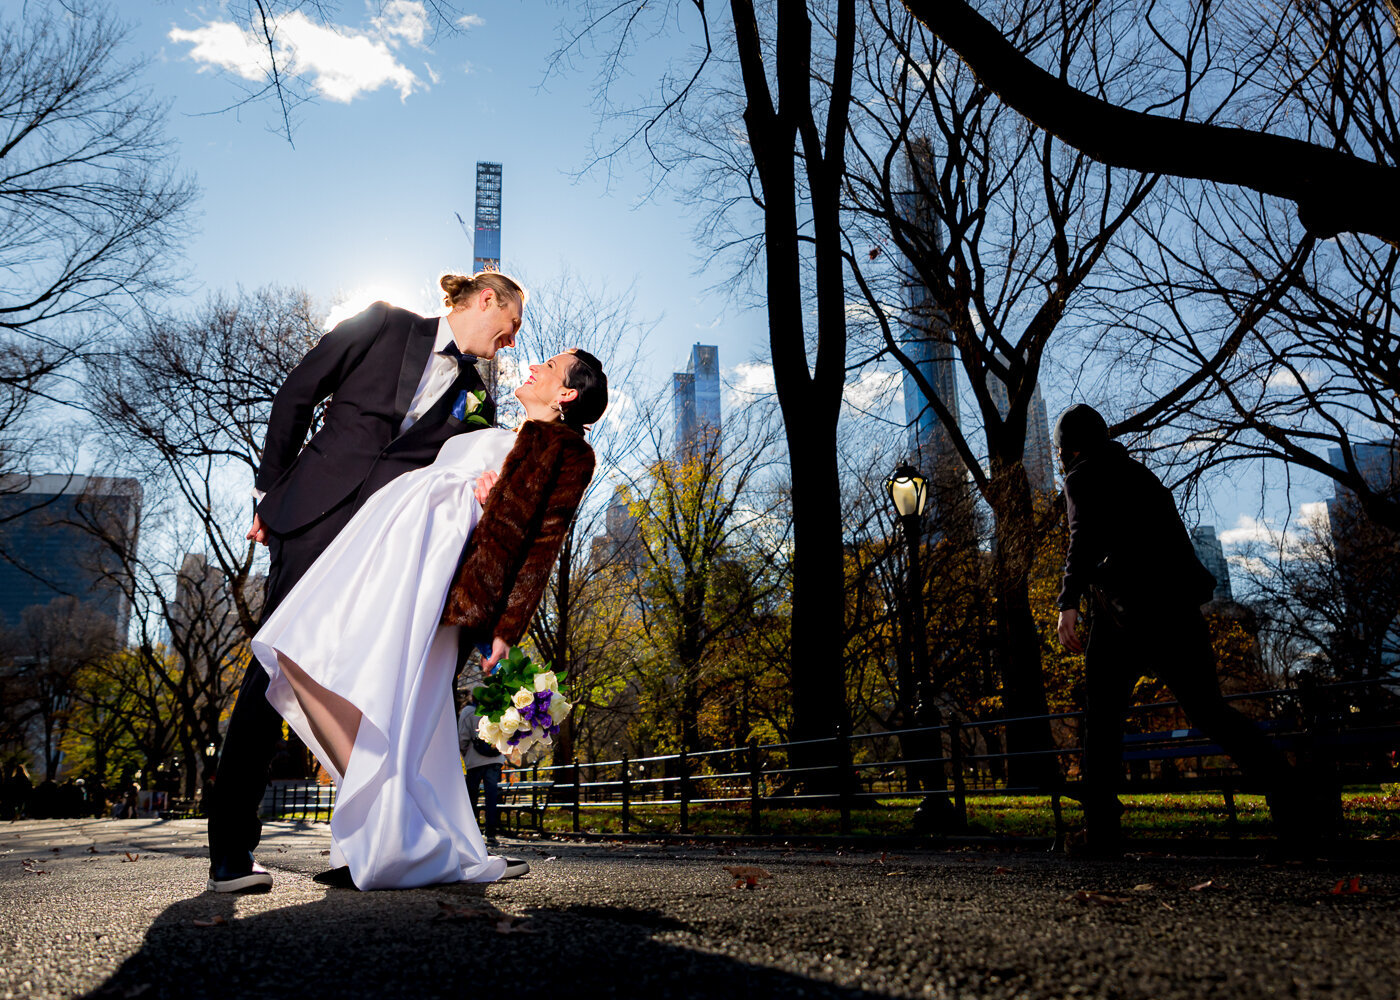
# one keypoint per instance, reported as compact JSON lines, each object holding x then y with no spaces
{"x":515,"y":867}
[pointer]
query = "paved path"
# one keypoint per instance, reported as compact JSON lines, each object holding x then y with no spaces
{"x":117,"y":909}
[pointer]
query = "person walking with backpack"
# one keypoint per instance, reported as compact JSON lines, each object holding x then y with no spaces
{"x":483,"y":763}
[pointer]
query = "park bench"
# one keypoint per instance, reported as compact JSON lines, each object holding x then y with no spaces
{"x":523,"y":803}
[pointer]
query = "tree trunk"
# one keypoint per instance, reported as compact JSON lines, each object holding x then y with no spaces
{"x":1023,"y":683}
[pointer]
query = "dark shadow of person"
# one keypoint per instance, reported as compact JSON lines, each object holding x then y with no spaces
{"x":444,"y":941}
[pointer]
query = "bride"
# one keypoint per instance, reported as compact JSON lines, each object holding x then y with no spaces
{"x":362,"y":653}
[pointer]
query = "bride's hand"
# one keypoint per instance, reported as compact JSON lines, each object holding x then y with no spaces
{"x":484,"y":484}
{"x":499,"y":649}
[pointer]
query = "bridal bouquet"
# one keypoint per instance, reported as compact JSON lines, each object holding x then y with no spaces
{"x":521,"y":706}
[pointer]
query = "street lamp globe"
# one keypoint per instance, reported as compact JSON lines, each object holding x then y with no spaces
{"x":908,"y":491}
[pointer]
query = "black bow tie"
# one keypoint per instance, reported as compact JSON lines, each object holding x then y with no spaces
{"x":455,"y":353}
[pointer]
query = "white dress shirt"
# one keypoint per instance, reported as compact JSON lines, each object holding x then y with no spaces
{"x":439,"y":373}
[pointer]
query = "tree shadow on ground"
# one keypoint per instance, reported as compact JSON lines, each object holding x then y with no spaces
{"x":443,"y":941}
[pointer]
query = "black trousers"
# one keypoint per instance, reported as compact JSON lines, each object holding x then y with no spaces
{"x":255,"y":728}
{"x":1172,"y":644}
{"x":490,"y":775}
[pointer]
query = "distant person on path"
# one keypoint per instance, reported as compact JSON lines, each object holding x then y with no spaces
{"x":1130,"y":555}
{"x":483,"y":764}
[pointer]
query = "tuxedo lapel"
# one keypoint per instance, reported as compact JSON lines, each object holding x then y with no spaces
{"x":415,"y":358}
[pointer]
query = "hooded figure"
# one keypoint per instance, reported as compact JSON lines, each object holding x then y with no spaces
{"x":1130,"y":554}
{"x":1126,"y":539}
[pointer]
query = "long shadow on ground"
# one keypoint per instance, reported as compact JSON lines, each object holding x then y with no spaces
{"x":445,"y":941}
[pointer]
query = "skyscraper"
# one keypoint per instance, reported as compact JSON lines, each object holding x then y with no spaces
{"x":698,"y":419}
{"x":1037,"y":455}
{"x":49,"y":551}
{"x":1212,"y":556}
{"x":926,"y":337}
{"x":487,"y":241}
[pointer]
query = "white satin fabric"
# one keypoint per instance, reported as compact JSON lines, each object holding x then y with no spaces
{"x":363,"y":623}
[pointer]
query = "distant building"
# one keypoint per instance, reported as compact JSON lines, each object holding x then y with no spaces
{"x":697,"y":409}
{"x":204,"y":604}
{"x":487,"y":241}
{"x":1212,"y":556}
{"x":1038,"y":454}
{"x":1368,"y":560}
{"x":619,"y":543}
{"x":927,"y":339}
{"x":54,"y":533}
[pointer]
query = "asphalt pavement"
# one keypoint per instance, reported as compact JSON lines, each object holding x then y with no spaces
{"x":117,"y":908}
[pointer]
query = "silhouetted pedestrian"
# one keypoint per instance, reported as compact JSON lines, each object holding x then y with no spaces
{"x":1130,"y":555}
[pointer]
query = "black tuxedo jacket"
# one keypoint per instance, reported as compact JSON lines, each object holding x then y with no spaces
{"x":369,"y":366}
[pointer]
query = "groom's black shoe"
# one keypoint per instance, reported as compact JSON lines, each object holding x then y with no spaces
{"x":515,"y":867}
{"x":238,"y":873}
{"x":337,"y":878}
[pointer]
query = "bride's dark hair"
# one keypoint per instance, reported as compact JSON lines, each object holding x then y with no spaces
{"x":585,"y":375}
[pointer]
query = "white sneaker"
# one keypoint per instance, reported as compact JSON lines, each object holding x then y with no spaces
{"x":254,"y":878}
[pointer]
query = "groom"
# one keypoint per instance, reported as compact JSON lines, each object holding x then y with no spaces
{"x":399,"y":385}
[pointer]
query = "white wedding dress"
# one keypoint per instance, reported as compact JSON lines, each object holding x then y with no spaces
{"x":363,"y":623}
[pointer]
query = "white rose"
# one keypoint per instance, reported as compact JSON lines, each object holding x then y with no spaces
{"x":473,"y":403}
{"x":558,"y":709}
{"x":546,"y":681}
{"x":523,"y":698}
{"x":511,"y":722}
{"x":526,"y":742}
{"x":490,"y":732}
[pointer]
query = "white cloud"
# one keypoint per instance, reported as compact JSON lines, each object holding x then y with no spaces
{"x":341,"y":63}
{"x":752,"y":378}
{"x":226,"y":46}
{"x":432,"y":74}
{"x":405,"y":19}
{"x":873,"y":391}
{"x":1251,"y":565}
{"x":470,"y":21}
{"x":1314,"y":514}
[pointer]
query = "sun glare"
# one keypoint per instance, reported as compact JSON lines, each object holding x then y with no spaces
{"x":349,"y":303}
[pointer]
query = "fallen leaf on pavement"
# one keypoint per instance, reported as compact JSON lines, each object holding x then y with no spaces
{"x":1099,"y":898}
{"x":130,"y":857}
{"x":512,"y":925}
{"x":32,"y":867}
{"x":55,"y":849}
{"x":1144,"y":887}
{"x":325,"y":853}
{"x":1001,"y":870}
{"x":1204,"y":885}
{"x":137,"y":990}
{"x":1348,"y":887}
{"x":218,"y":921}
{"x":746,"y":876}
{"x":450,"y":912}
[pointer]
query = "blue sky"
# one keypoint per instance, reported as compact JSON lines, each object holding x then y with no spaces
{"x":363,"y":205}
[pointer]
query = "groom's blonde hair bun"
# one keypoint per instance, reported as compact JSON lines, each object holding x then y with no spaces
{"x":461,"y":288}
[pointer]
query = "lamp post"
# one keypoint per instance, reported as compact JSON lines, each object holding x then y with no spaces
{"x":908,"y":492}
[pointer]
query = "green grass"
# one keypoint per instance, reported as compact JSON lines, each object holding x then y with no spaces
{"x":1196,"y":815}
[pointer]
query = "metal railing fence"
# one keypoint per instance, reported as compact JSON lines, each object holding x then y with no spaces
{"x":864,"y":769}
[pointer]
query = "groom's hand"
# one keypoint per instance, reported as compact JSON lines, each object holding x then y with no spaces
{"x":257,"y":533}
{"x":499,"y":649}
{"x":484,"y":484}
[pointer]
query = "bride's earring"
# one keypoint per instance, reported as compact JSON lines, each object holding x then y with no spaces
{"x":557,"y":409}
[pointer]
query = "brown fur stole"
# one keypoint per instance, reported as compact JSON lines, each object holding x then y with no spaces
{"x":508,"y":559}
